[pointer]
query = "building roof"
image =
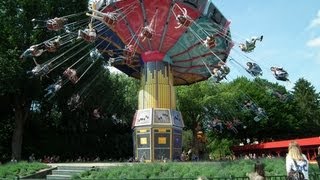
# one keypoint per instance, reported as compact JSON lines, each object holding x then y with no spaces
{"x":312,"y":141}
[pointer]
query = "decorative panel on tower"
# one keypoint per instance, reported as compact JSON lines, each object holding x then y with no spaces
{"x":143,"y":117}
{"x":162,"y":143}
{"x":161,"y":116}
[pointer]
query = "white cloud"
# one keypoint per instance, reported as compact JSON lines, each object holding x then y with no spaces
{"x":314,"y":42}
{"x":314,"y":54}
{"x":316,"y":21}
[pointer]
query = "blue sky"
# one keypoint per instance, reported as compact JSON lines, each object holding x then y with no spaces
{"x":291,"y":30}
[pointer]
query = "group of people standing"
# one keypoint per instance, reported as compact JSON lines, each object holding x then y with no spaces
{"x":297,"y":165}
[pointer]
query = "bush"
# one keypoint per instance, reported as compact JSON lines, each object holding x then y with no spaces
{"x":13,"y":170}
{"x":225,"y":169}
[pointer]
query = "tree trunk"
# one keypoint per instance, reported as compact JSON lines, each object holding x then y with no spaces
{"x":195,"y":142}
{"x":21,"y":115}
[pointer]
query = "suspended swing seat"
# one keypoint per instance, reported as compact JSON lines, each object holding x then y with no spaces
{"x":109,"y":19}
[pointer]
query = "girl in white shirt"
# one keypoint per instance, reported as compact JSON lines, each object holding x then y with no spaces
{"x":295,"y":154}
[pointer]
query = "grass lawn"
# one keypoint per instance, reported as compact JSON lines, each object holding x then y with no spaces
{"x":12,"y":170}
{"x":237,"y":168}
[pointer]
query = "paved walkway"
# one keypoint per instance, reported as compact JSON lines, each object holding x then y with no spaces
{"x":90,"y":164}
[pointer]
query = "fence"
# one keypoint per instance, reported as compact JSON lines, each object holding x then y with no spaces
{"x":314,"y":176}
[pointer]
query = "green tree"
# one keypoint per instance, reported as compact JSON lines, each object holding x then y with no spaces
{"x":219,"y":148}
{"x":307,"y":103}
{"x":199,"y":103}
{"x":191,"y":102}
{"x":16,"y":34}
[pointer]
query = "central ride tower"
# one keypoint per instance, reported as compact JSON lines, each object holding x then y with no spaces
{"x":157,"y":123}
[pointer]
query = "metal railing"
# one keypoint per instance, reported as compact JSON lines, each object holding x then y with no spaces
{"x":313,"y":176}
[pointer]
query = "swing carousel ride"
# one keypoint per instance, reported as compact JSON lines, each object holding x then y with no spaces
{"x":163,"y":43}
